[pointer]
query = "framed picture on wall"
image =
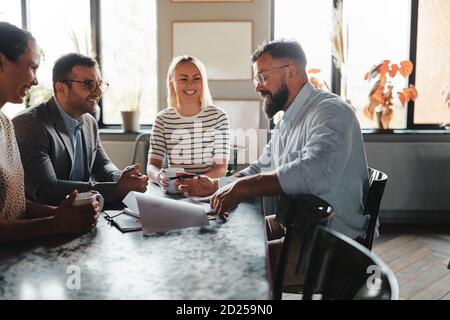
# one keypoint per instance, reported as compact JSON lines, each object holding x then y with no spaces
{"x":245,"y":135}
{"x":224,"y":47}
{"x":243,"y":114}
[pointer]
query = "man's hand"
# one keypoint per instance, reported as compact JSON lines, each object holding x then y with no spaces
{"x":131,"y":180}
{"x":68,"y":219}
{"x":200,"y":186}
{"x":227,"y":198}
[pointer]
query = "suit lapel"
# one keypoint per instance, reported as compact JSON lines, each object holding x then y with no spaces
{"x":60,"y":128}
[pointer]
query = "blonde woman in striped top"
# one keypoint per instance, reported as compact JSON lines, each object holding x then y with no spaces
{"x":191,"y":132}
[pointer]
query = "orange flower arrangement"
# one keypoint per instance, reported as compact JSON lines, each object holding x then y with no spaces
{"x":316,"y":80}
{"x":381,"y":95}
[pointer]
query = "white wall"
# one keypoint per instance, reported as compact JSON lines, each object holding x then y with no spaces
{"x":418,"y":187}
{"x":120,"y":152}
{"x":419,"y":174}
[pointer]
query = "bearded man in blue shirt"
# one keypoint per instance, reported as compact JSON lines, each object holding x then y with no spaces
{"x":316,"y":148}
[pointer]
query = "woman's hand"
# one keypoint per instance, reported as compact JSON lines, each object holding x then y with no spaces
{"x":163,"y":181}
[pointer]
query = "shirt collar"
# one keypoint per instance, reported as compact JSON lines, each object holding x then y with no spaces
{"x":298,"y":102}
{"x":70,"y":123}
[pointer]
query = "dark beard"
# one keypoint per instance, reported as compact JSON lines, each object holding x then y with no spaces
{"x":275,"y":103}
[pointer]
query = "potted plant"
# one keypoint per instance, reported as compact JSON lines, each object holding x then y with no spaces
{"x":381,"y":94}
{"x":131,"y":111}
{"x":316,"y":79}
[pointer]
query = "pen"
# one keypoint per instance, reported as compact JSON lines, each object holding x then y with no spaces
{"x":184,"y":176}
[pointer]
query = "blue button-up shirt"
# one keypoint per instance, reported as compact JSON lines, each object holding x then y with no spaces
{"x":74,"y":126}
{"x":317,"y":148}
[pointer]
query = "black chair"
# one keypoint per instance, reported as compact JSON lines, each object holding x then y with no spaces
{"x":339,"y":268}
{"x":140,"y":151}
{"x":303,"y":213}
{"x":377,"y":183}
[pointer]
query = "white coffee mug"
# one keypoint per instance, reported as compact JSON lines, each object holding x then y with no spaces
{"x":170,"y":173}
{"x":88,"y":197}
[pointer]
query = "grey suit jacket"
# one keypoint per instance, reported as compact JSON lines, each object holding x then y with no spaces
{"x":47,"y":155}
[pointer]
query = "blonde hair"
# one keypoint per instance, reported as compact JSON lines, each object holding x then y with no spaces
{"x":172,"y":98}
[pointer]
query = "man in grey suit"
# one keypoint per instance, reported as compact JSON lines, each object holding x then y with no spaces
{"x":59,"y":141}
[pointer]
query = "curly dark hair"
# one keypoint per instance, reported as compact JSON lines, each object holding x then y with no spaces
{"x":13,"y":41}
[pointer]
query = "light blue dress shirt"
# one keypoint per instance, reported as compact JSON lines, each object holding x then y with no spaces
{"x":317,"y":148}
{"x":74,"y":128}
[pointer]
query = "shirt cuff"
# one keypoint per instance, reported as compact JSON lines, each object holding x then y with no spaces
{"x":291,"y":181}
{"x":223,"y":181}
{"x":116,"y":175}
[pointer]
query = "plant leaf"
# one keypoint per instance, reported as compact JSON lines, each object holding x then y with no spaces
{"x":402,"y":98}
{"x":314,"y":70}
{"x":406,"y":68}
{"x":378,"y":95}
{"x":413,"y":92}
{"x":384,"y":67}
{"x":393,"y":71}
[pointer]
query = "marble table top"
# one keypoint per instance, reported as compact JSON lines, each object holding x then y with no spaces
{"x":225,"y":260}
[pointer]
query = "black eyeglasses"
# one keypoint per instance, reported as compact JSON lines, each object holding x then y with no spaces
{"x":91,"y":85}
{"x":261,"y":78}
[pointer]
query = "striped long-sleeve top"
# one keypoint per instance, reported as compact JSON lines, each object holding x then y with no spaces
{"x":194,"y":143}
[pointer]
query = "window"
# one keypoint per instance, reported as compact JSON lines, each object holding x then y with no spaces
{"x":10,"y":12}
{"x":129,"y":59}
{"x":309,"y":22}
{"x":369,"y":41}
{"x":127,"y":35}
{"x":433,"y":67}
{"x":377,"y":30}
{"x":57,"y":35}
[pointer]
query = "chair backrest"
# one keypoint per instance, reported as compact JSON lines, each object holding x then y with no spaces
{"x":303,"y":213}
{"x":377,"y":183}
{"x":140,"y":151}
{"x":339,"y":268}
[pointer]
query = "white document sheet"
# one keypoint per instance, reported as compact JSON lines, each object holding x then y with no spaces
{"x":160,"y":214}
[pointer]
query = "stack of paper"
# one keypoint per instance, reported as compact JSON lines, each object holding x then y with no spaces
{"x":160,"y":214}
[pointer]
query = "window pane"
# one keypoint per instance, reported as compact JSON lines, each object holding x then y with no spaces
{"x":309,"y":22}
{"x":10,"y":12}
{"x":378,"y":30}
{"x":129,"y":58}
{"x":58,"y":34}
{"x":433,"y":67}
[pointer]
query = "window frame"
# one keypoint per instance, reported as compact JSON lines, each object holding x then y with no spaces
{"x":96,"y":40}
